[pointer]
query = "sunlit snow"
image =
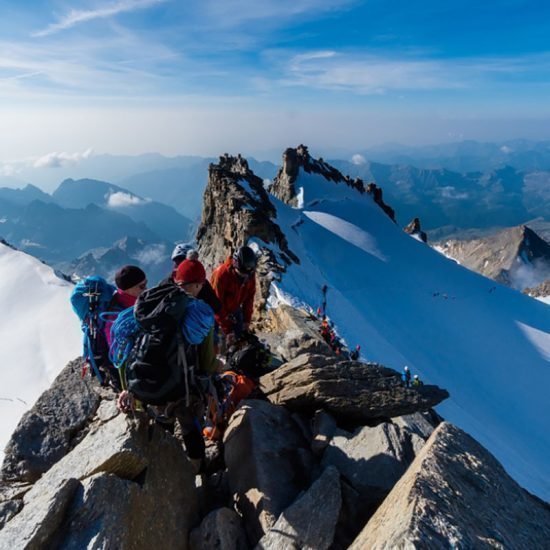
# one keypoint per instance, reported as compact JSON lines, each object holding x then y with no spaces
{"x":485,"y":343}
{"x":39,"y":333}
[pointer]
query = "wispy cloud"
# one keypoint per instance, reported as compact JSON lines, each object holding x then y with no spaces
{"x":122,"y":200}
{"x":76,"y":17}
{"x":364,"y":73}
{"x":57,"y":160}
{"x":233,"y":13}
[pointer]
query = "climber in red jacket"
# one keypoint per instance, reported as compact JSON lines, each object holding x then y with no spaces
{"x":235,"y":285}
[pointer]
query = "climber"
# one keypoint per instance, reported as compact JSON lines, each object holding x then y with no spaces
{"x":173,"y":356}
{"x":234,"y":283}
{"x":130,"y":281}
{"x":406,"y":376}
{"x":185,"y":251}
{"x":354,"y":355}
{"x":416,"y":381}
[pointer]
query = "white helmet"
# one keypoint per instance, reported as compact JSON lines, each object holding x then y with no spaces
{"x":415,"y":376}
{"x":180,"y":252}
{"x":406,"y":368}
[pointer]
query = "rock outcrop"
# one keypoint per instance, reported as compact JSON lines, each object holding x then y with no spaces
{"x":456,"y":495}
{"x":126,"y":484}
{"x":46,"y":433}
{"x":284,"y":188}
{"x":515,"y":257}
{"x":291,"y":332}
{"x":351,"y":391}
{"x":294,"y":159}
{"x":268,"y":462}
{"x":307,"y":524}
{"x":237,"y":209}
{"x":414,"y":229}
{"x":540,"y":291}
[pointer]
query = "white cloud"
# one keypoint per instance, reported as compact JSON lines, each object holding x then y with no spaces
{"x":56,"y":160}
{"x":76,"y":17}
{"x":358,"y":159}
{"x":121,"y":200}
{"x":506,"y":150}
{"x":153,"y":254}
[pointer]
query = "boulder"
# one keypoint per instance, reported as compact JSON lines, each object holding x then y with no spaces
{"x":221,"y":529}
{"x":349,"y":390}
{"x":35,"y":525}
{"x":137,"y":490}
{"x":324,"y":428}
{"x":45,"y":433}
{"x":371,"y":459}
{"x":456,"y":495}
{"x":310,"y":522}
{"x":268,"y":463}
{"x":293,"y":332}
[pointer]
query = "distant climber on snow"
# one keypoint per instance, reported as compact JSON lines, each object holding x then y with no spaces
{"x":406,"y":377}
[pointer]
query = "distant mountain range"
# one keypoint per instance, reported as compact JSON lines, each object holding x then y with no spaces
{"x":80,"y":227}
{"x":467,"y":156}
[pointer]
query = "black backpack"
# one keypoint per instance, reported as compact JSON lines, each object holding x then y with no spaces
{"x":160,"y":368}
{"x":250,"y":357}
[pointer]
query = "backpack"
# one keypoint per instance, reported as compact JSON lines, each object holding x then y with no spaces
{"x":160,"y":365}
{"x":91,"y":299}
{"x":124,"y":333}
{"x":253,"y":358}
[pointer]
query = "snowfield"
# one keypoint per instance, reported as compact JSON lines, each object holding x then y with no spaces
{"x":406,"y":304}
{"x":40,"y":334}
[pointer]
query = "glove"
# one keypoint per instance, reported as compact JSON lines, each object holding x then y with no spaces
{"x":126,"y":402}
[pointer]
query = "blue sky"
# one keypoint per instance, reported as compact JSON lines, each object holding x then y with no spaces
{"x":198,"y":76}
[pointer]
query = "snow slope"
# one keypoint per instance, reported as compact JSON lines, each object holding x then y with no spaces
{"x":39,"y":333}
{"x":406,"y":304}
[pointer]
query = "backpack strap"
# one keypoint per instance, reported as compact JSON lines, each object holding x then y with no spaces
{"x":187,"y":371}
{"x":89,"y":354}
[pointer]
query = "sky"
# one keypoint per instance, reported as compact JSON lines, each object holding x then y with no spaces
{"x":208,"y":76}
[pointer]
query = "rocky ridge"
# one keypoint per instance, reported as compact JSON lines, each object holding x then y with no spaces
{"x":237,"y":208}
{"x":283,"y":186}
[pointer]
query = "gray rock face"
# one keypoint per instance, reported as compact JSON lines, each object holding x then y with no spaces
{"x":268,"y":463}
{"x":310,"y":522}
{"x":36,"y":524}
{"x":414,"y":228}
{"x":293,"y":332}
{"x":516,"y":257}
{"x":349,"y":390}
{"x":123,"y":486}
{"x":371,"y":459}
{"x":294,"y":159}
{"x":236,"y":208}
{"x":44,"y":434}
{"x":221,"y":529}
{"x":456,"y":495}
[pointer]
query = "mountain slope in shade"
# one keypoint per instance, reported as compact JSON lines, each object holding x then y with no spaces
{"x":516,"y":257}
{"x":406,"y":304}
{"x":40,"y":333}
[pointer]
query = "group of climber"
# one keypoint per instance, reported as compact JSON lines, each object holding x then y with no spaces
{"x":410,"y":381}
{"x":331,"y":338}
{"x":181,"y":350}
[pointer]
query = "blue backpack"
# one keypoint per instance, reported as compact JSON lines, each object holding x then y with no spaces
{"x":124,"y":333}
{"x":90,"y":299}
